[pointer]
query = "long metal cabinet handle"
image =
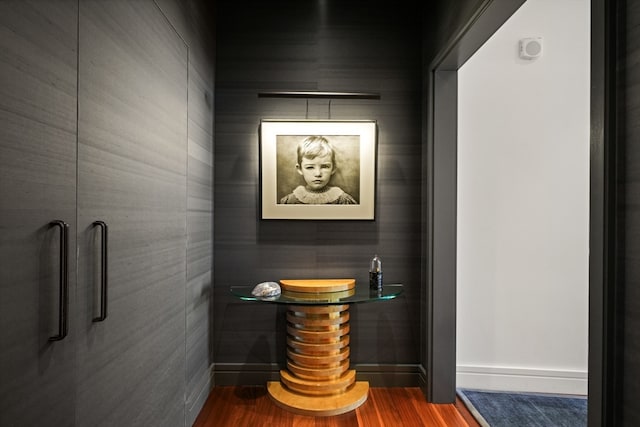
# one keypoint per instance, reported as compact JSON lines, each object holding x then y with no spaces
{"x":103,"y":273}
{"x":63,"y":302}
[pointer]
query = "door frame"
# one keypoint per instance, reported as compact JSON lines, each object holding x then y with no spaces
{"x":442,"y":195}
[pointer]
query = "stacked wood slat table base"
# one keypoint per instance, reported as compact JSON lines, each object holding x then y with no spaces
{"x":318,"y":380}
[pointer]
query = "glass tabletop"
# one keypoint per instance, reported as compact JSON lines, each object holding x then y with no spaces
{"x":360,"y":294}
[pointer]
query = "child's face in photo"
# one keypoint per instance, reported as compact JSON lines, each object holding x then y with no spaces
{"x":317,"y":171}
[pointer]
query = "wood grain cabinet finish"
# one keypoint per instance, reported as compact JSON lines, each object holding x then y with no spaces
{"x":93,"y":126}
{"x":132,"y":157}
{"x":38,"y":75}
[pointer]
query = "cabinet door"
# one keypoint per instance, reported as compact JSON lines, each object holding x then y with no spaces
{"x":132,"y":175}
{"x":38,"y":86}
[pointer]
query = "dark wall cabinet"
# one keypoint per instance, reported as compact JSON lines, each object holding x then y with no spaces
{"x":93,"y":127}
{"x":132,"y":159}
{"x":38,"y":160}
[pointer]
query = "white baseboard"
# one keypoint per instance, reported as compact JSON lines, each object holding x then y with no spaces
{"x":522,"y":379}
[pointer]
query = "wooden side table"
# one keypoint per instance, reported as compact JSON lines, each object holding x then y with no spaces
{"x":318,"y":380}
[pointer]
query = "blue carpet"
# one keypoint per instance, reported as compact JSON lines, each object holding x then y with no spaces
{"x":501,"y":409}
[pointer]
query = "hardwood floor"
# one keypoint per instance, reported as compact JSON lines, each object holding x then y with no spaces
{"x":390,"y":407}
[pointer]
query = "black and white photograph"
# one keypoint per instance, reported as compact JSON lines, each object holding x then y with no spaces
{"x":318,"y":169}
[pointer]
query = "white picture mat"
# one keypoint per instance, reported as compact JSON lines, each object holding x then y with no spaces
{"x":271,"y":129}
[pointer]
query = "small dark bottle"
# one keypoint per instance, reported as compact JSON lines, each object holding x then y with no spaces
{"x":375,"y":274}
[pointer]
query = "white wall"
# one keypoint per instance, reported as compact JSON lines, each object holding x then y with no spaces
{"x":523,"y":205}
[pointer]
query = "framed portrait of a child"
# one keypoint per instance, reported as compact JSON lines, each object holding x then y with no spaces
{"x":317,"y":170}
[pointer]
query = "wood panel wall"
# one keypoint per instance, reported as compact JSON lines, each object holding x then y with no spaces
{"x":194,"y":20}
{"x":326,"y":46}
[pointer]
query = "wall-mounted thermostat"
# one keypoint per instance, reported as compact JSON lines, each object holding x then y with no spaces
{"x":531,"y":48}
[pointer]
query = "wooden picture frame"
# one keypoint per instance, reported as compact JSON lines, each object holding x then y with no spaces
{"x":318,"y":170}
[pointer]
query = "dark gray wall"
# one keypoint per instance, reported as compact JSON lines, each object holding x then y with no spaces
{"x":194,"y":21}
{"x":326,"y":46}
{"x":444,"y":22}
{"x":629,"y":243}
